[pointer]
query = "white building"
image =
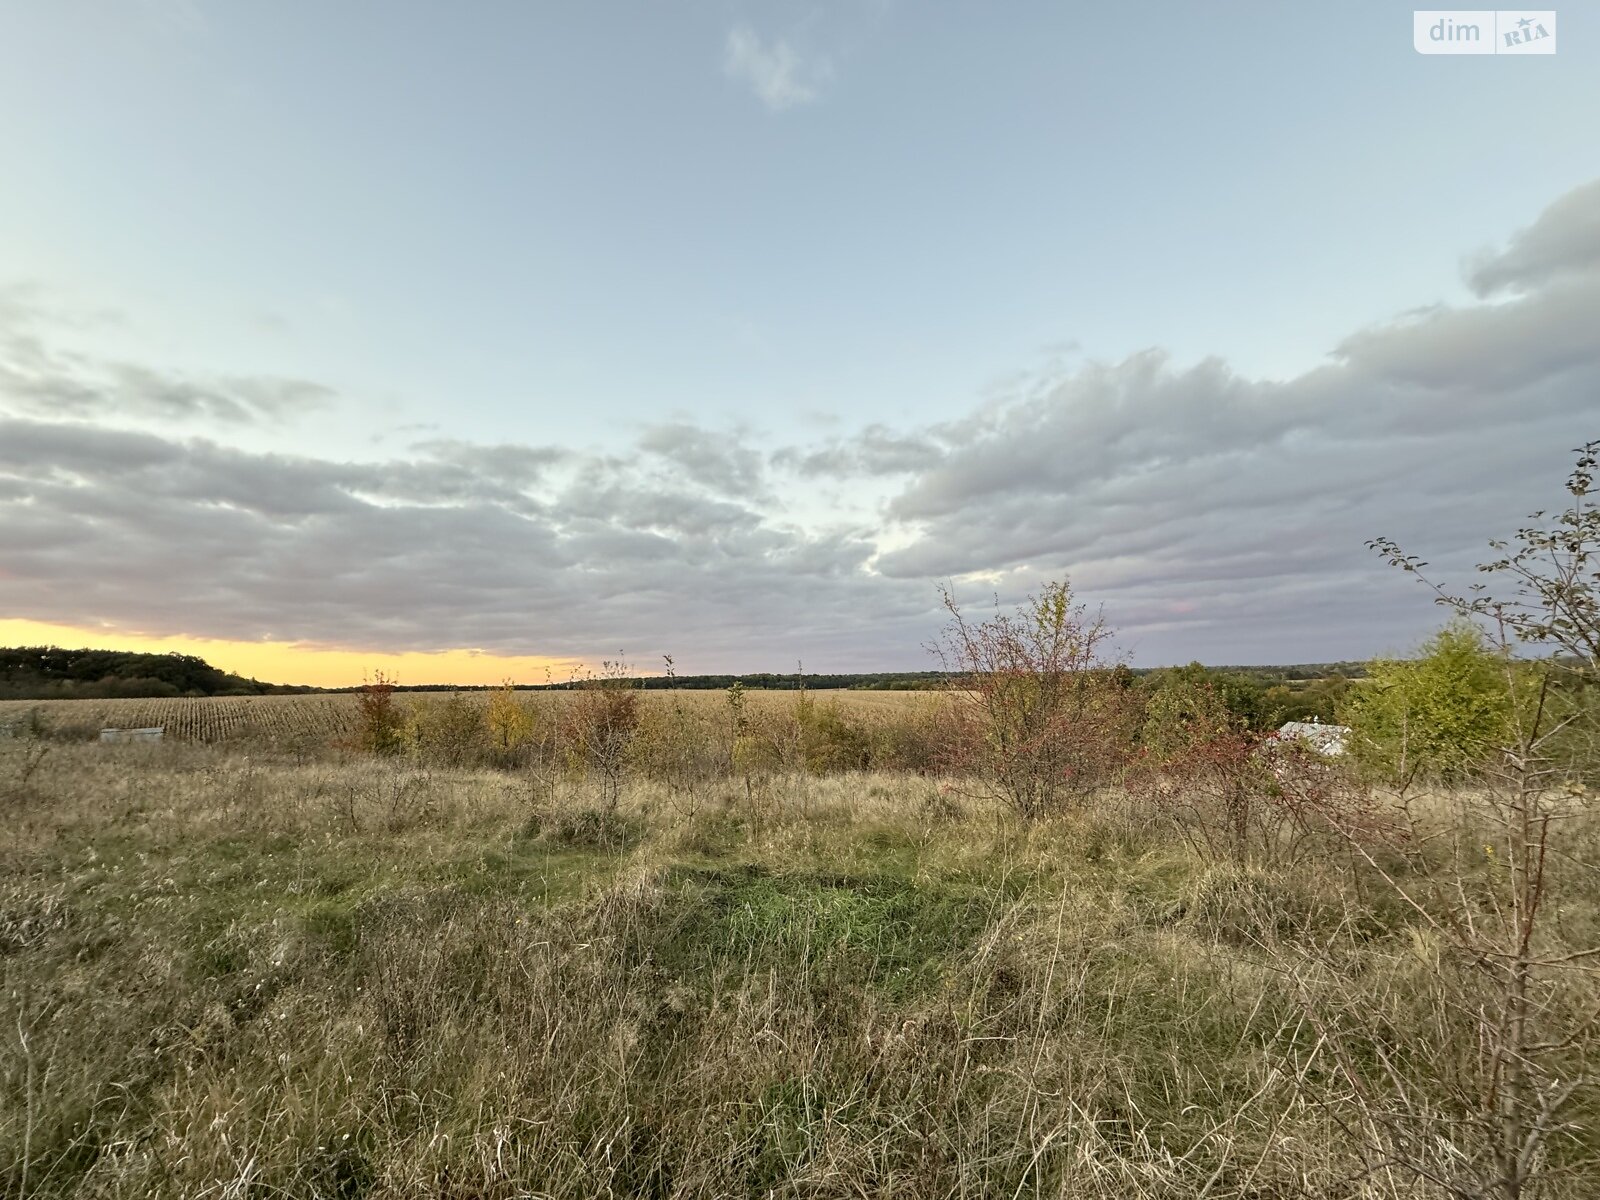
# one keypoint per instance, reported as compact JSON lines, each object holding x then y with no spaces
{"x":1326,"y":739}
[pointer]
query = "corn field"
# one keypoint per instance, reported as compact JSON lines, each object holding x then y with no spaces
{"x":195,"y":718}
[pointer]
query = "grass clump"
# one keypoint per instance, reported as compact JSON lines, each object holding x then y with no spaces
{"x":593,"y":828}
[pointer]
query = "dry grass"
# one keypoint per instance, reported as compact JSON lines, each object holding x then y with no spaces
{"x":263,"y":976}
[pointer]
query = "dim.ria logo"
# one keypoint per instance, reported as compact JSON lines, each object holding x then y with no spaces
{"x":1484,"y":31}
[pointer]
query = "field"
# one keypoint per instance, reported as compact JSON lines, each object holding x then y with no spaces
{"x":197,"y":718}
{"x":310,"y":719}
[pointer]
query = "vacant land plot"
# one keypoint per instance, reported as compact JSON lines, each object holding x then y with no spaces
{"x":232,"y":975}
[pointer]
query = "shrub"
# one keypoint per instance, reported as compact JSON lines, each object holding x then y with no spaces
{"x":752,"y":750}
{"x":1184,"y":711}
{"x":510,"y":724}
{"x":1243,"y":701}
{"x":677,"y":743}
{"x":1036,"y":716}
{"x":1243,"y":796}
{"x":601,"y":724}
{"x":379,"y":721}
{"x":909,"y":739}
{"x":447,"y":731}
{"x":829,"y":739}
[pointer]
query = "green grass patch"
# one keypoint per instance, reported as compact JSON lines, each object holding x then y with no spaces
{"x":883,"y":931}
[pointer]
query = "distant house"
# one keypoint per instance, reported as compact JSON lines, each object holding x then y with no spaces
{"x":1326,"y":739}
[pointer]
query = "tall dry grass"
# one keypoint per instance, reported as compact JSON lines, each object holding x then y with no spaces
{"x":263,"y":976}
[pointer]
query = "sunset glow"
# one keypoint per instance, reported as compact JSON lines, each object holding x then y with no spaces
{"x":304,"y":663}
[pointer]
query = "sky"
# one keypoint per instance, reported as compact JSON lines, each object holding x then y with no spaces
{"x":494,"y":340}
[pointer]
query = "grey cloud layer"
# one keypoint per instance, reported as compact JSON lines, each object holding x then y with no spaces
{"x":442,"y":550}
{"x":38,"y":379}
{"x":1239,"y":507}
{"x":1217,"y":516}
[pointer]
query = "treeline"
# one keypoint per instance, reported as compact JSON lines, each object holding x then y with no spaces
{"x":770,"y":681}
{"x":1297,"y":674}
{"x":759,"y":681}
{"x":1294,"y":686}
{"x":53,"y":673}
{"x":1259,"y":696}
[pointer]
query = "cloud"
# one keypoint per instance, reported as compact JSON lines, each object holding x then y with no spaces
{"x":775,"y":71}
{"x":1216,"y":515}
{"x":111,"y":390}
{"x":37,"y":378}
{"x":1233,"y":512}
{"x":718,"y":461}
{"x":876,"y":450}
{"x":151,"y":533}
{"x":1564,"y":241}
{"x":511,"y":465}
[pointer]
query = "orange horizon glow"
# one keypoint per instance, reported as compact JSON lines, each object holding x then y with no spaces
{"x":306,"y":663}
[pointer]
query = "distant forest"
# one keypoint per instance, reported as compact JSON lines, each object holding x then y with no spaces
{"x":1258,"y":694}
{"x":51,"y":673}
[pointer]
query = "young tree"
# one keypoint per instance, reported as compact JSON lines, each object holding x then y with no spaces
{"x":379,"y":723}
{"x":447,"y":731}
{"x":603,"y":721}
{"x":1551,"y":592}
{"x":1439,"y":717}
{"x":510,"y":721}
{"x":1511,"y":974}
{"x":738,"y":723}
{"x":674,"y":745}
{"x":1038,"y":718}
